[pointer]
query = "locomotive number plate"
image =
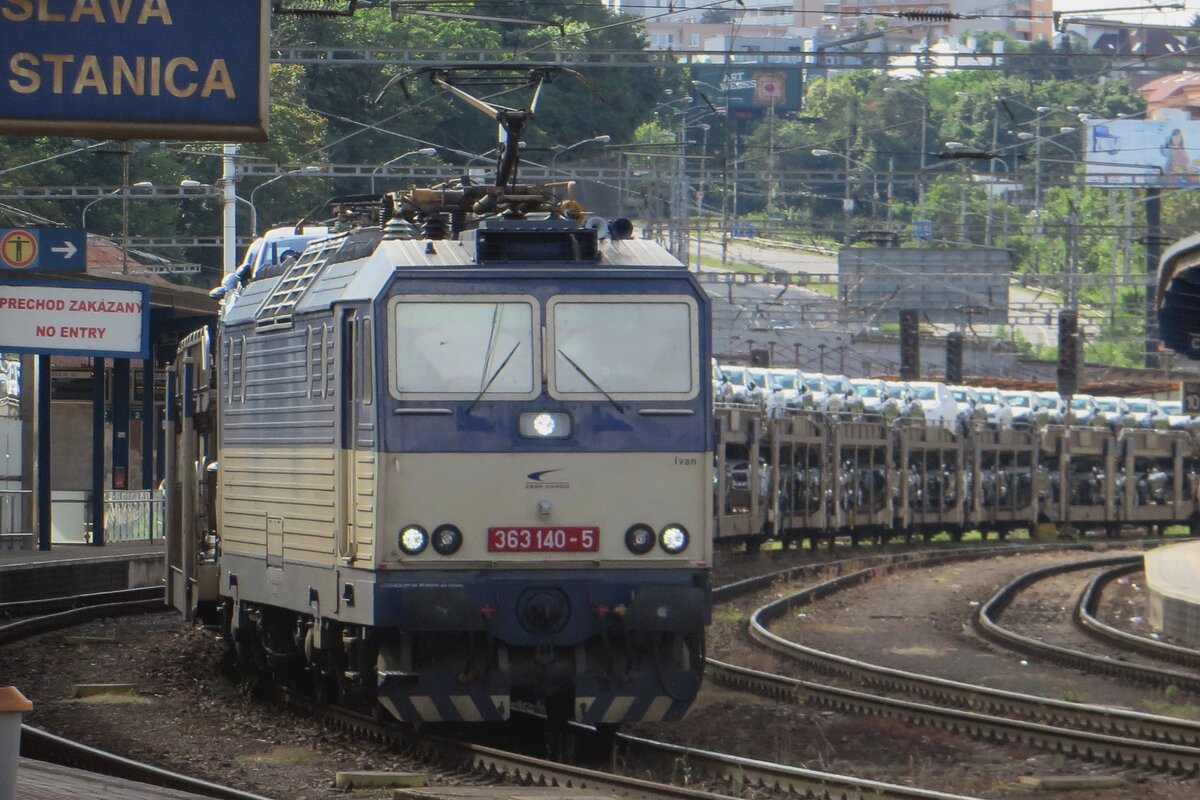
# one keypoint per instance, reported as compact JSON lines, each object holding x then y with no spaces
{"x":543,"y":540}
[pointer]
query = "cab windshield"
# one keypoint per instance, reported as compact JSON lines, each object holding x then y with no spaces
{"x":925,"y":393}
{"x":626,"y":348}
{"x":459,"y":349}
{"x":1018,"y":400}
{"x":866,"y":390}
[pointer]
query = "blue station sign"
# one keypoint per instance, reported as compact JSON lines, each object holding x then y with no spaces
{"x":43,"y":249}
{"x":135,"y":69}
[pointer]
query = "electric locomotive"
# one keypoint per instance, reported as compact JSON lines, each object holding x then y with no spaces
{"x":465,"y":451}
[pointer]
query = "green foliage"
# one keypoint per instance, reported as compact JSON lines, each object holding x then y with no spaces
{"x":335,"y":113}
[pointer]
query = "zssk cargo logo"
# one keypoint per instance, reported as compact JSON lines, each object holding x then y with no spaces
{"x":538,"y":480}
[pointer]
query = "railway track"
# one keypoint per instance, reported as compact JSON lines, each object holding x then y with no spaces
{"x":1125,"y":738}
{"x":987,"y":622}
{"x":1085,"y":618}
{"x":720,"y":770}
{"x":30,"y":618}
{"x":472,"y":762}
{"x":1121,"y":737}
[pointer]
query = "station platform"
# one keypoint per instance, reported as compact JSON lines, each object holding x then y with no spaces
{"x":1173,"y":584}
{"x":39,"y":780}
{"x":69,"y":569}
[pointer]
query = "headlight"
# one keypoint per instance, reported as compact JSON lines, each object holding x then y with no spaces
{"x":639,"y":539}
{"x":545,"y":425}
{"x":413,"y":539}
{"x":674,"y":539}
{"x":447,"y":539}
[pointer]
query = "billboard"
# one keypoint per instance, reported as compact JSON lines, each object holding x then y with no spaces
{"x":751,"y":87}
{"x":943,"y":286}
{"x":180,"y":69}
{"x":1137,"y":152}
{"x":106,"y":321}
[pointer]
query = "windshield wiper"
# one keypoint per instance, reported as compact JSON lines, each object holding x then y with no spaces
{"x":592,"y":381}
{"x":492,"y":379}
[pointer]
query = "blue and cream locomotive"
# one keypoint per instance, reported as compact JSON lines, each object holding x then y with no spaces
{"x":465,"y":460}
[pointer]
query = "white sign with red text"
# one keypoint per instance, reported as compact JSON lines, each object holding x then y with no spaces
{"x":61,"y":319}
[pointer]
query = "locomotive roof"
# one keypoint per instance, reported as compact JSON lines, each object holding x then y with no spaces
{"x":363,"y":279}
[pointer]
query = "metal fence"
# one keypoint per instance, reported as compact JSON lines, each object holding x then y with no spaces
{"x":133,"y":515}
{"x":13,"y":503}
{"x":129,"y":516}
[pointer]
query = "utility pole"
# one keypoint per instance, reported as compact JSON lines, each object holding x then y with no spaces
{"x":847,"y":202}
{"x":987,"y":224}
{"x":891,"y":169}
{"x":771,"y":159}
{"x":1037,"y":174}
{"x":1071,"y":299}
{"x":229,"y":208}
{"x":1153,"y":251}
{"x":725,"y":191}
{"x":125,"y":208}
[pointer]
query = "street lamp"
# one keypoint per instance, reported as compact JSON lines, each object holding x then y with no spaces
{"x":123,"y":190}
{"x":847,"y":202}
{"x":1037,"y":139}
{"x":124,"y":194}
{"x":424,"y":151}
{"x":301,"y":171}
{"x":924,"y":126}
{"x":187,"y":183}
{"x":559,"y":149}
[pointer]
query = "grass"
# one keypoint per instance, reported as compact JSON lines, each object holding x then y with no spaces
{"x":1169,"y":709}
{"x":829,"y":289}
{"x":714,"y":262}
{"x":1074,"y":696}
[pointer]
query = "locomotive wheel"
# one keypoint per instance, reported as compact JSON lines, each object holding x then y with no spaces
{"x":323,"y":676}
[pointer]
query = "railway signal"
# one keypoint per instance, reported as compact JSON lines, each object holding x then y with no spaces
{"x":1069,"y":356}
{"x":954,"y":357}
{"x":910,"y":346}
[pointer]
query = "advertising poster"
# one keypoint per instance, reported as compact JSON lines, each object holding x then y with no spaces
{"x":1135,"y":152}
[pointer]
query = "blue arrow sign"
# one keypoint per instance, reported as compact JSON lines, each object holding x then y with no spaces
{"x":45,"y":249}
